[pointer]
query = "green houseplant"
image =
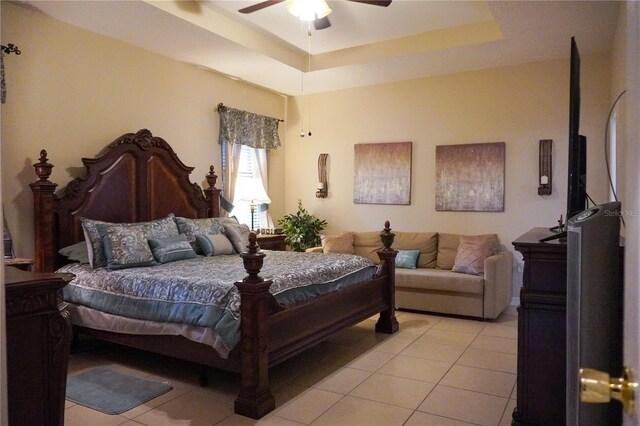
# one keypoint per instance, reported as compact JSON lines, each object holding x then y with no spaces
{"x":301,"y":229}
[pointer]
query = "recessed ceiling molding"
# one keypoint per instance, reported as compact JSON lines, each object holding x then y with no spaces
{"x":464,"y":35}
{"x":217,"y":23}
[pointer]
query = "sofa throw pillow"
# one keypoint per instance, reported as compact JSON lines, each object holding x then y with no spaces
{"x":215,"y":245}
{"x":342,"y":243}
{"x":160,"y":228}
{"x":472,"y":252}
{"x":126,"y":246}
{"x":238,"y":235}
{"x":171,"y":249}
{"x":77,"y":252}
{"x":407,"y":259}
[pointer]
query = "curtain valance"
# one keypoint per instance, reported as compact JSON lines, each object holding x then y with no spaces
{"x":246,"y":128}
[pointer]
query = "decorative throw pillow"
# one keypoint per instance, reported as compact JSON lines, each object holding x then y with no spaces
{"x":407,"y":259}
{"x":76,"y":252}
{"x":472,"y":252}
{"x":215,"y":245}
{"x":171,"y":249}
{"x":342,"y":243}
{"x":160,"y":228}
{"x":238,"y":235}
{"x":126,"y":246}
{"x":203,"y":226}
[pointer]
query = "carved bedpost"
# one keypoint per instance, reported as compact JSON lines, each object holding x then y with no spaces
{"x":43,"y":195}
{"x":212,"y":193}
{"x":387,"y":323}
{"x":255,"y":398}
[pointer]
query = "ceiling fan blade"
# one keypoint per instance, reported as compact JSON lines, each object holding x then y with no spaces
{"x":259,"y":6}
{"x":322,"y":23}
{"x":383,"y":3}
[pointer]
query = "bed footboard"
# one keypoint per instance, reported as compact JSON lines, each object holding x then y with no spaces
{"x":255,"y":398}
{"x":387,"y":323}
{"x":296,"y":329}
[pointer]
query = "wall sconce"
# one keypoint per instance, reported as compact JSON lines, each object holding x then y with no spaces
{"x":544,"y":166}
{"x":323,"y":189}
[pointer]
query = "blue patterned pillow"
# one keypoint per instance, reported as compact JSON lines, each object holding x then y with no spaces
{"x":407,"y":259}
{"x":214,"y":245}
{"x":160,"y":228}
{"x":171,"y":249}
{"x":203,"y":226}
{"x":126,"y":246}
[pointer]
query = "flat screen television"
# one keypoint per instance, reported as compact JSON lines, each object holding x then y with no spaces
{"x":577,"y":167}
{"x":577,"y":182}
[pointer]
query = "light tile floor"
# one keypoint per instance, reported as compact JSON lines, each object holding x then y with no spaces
{"x":434,"y":371}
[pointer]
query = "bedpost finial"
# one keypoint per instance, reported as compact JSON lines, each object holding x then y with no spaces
{"x":43,"y":167}
{"x":252,"y":247}
{"x":252,"y":260}
{"x":386,"y":236}
{"x":211,"y":177}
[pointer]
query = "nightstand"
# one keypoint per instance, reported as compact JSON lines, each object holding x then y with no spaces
{"x":38,"y":336}
{"x":272,"y":242}
{"x":20,"y":263}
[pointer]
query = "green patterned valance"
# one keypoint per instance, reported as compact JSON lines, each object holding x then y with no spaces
{"x":246,"y":128}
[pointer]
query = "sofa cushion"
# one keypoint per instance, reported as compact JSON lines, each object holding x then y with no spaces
{"x":472,"y":252}
{"x":366,"y":244}
{"x":439,"y":280}
{"x":426,"y":242}
{"x":342,"y":243}
{"x":407,"y":259}
{"x":447,"y":250}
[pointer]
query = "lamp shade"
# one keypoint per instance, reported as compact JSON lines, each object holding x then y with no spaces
{"x":309,"y":10}
{"x":251,"y":190}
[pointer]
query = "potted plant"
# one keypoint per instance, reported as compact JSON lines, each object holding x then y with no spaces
{"x":301,"y":229}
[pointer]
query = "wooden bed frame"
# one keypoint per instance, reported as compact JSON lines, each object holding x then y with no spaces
{"x":139,"y":177}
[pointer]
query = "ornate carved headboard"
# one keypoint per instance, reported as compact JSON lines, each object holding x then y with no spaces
{"x":137,"y":177}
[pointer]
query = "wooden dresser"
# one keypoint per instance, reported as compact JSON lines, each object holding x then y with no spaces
{"x":542,"y":334}
{"x":38,"y":336}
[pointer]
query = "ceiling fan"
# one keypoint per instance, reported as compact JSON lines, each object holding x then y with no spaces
{"x":319,"y":23}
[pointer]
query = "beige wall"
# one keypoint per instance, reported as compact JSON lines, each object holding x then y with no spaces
{"x":518,"y":105}
{"x":72,"y":92}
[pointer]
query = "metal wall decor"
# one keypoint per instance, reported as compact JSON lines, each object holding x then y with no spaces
{"x":323,"y":188}
{"x":545,"y":168}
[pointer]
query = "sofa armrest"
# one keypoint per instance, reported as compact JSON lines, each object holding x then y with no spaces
{"x":314,"y":249}
{"x":497,"y":283}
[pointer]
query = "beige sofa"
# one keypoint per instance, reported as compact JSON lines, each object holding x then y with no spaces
{"x":432,"y":286}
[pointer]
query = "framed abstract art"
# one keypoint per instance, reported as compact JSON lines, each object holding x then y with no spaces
{"x":470,"y":177}
{"x":382,"y":173}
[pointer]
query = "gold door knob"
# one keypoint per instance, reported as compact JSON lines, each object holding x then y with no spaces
{"x":597,"y":387}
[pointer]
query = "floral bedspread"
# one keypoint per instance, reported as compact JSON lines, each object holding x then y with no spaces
{"x":201,"y":291}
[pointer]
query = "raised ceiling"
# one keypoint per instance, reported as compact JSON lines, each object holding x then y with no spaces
{"x":365,"y":45}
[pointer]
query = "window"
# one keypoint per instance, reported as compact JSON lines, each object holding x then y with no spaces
{"x":248,"y":178}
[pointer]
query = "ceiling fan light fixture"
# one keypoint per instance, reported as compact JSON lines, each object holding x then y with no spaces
{"x":309,"y":10}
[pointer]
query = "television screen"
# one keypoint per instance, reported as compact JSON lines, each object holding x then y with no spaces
{"x":577,"y":168}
